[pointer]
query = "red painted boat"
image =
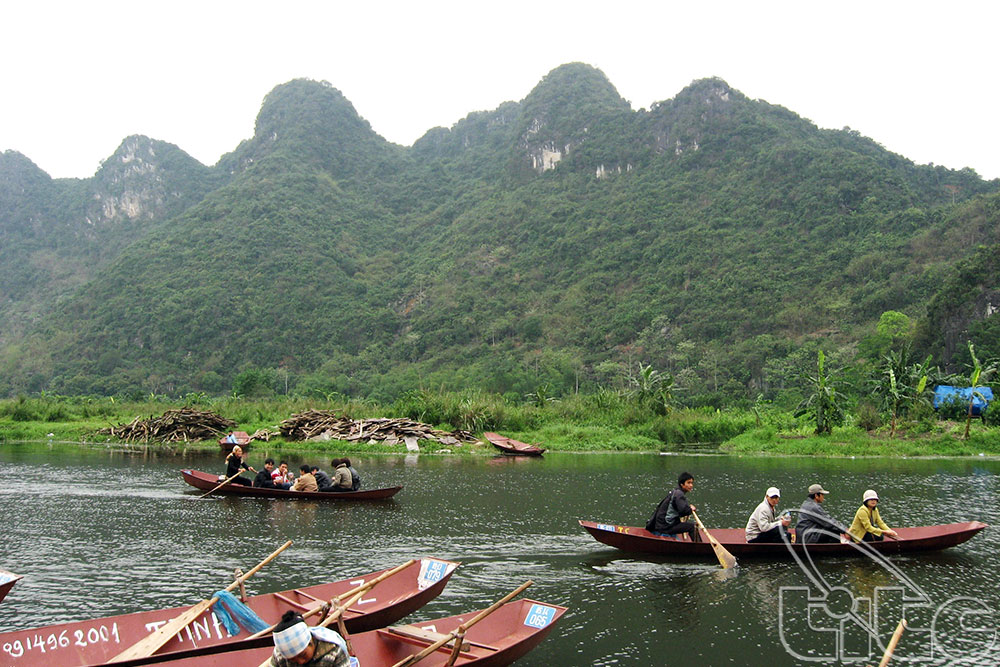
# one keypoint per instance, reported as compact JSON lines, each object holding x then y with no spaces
{"x":97,"y":641}
{"x":7,"y":581}
{"x":241,"y":438}
{"x":499,"y":639}
{"x":207,"y":481}
{"x":512,"y":447}
{"x":640,"y":540}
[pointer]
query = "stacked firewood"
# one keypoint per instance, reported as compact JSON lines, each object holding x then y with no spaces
{"x":182,"y":425}
{"x":327,"y":425}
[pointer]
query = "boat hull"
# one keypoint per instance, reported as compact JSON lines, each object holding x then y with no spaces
{"x":639,"y":540}
{"x":207,"y":482}
{"x":97,"y":641}
{"x":512,"y":447}
{"x":7,"y":581}
{"x":504,"y":636}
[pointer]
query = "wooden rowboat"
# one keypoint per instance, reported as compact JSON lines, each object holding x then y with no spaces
{"x":499,"y":639}
{"x":512,"y":447}
{"x":207,"y":482}
{"x":97,"y":641}
{"x":640,"y":540}
{"x":7,"y":581}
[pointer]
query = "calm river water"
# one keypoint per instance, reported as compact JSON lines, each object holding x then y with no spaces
{"x":101,"y":532}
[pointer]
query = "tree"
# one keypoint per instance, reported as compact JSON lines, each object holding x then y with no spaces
{"x":825,"y":404}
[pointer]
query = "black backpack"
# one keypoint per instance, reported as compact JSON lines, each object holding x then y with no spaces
{"x":355,"y":479}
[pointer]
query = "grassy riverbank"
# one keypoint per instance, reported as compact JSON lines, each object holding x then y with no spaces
{"x":598,"y":422}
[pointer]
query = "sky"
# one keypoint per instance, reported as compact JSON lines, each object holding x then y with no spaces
{"x":918,"y":77}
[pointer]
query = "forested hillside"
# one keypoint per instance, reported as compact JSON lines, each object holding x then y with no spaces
{"x":551,"y":244}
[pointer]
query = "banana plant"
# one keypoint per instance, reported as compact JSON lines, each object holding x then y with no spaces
{"x":979,"y":374}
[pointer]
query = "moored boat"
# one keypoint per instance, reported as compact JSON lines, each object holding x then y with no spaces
{"x":208,"y":482}
{"x":640,"y":540}
{"x":7,"y":581}
{"x":499,"y":639}
{"x":99,"y":640}
{"x":511,"y":446}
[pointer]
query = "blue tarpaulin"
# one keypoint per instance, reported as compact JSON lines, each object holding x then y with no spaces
{"x":962,"y":395}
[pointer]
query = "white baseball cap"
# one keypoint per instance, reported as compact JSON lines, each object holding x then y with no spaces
{"x":772,"y":492}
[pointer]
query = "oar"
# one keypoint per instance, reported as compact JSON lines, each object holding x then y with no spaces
{"x":221,"y":485}
{"x":150,"y":644}
{"x":351,"y":597}
{"x":460,"y":630}
{"x":892,"y":643}
{"x":726,"y":559}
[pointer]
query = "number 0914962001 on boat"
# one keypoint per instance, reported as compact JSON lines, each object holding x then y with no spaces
{"x":639,"y":540}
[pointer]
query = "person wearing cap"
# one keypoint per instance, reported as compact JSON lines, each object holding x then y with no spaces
{"x":296,"y":643}
{"x":814,"y":524}
{"x":868,"y":526}
{"x":671,"y":516}
{"x":763,"y":526}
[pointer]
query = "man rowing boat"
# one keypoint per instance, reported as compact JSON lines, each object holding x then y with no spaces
{"x":671,"y":515}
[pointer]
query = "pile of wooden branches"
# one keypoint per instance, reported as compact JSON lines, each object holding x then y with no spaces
{"x":182,"y":425}
{"x":326,"y":425}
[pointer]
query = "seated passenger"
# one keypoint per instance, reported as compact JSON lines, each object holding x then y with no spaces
{"x":763,"y":526}
{"x":355,"y":477}
{"x":814,"y":524}
{"x":323,"y":480}
{"x":671,"y":515}
{"x":868,"y":526}
{"x":306,"y":481}
{"x":281,"y":477}
{"x":264,"y":478}
{"x":296,"y":643}
{"x":342,"y":479}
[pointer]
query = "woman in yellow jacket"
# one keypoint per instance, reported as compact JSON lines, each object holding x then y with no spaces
{"x":868,"y":526}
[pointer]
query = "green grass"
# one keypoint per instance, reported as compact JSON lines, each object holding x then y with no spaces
{"x":603,"y":422}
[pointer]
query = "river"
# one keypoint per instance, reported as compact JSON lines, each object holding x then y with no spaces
{"x":100,"y":532}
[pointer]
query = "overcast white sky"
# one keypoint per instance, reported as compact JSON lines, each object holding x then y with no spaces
{"x":78,"y":77}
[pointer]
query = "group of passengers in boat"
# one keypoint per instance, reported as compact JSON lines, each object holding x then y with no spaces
{"x":814,"y":525}
{"x":311,"y":478}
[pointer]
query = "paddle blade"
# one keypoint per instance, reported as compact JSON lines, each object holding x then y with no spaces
{"x":726,"y":559}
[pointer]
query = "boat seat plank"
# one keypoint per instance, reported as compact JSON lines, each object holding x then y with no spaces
{"x":292,"y":602}
{"x":429,"y":636}
{"x":421,"y":637}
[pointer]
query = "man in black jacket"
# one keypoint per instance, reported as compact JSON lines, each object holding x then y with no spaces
{"x":263,"y":478}
{"x":671,"y":515}
{"x":814,"y":524}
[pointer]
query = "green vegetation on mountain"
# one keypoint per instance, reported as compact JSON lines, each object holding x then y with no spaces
{"x":559,"y":243}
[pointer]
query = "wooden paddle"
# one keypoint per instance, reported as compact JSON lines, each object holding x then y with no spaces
{"x":150,"y":644}
{"x":892,"y":643}
{"x":459,"y":632}
{"x":726,"y":559}
{"x":221,"y":485}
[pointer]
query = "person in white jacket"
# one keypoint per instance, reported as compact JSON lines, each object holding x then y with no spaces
{"x":763,"y":526}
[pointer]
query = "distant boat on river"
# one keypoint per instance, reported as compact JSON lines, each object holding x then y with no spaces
{"x":512,"y":447}
{"x":208,"y":482}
